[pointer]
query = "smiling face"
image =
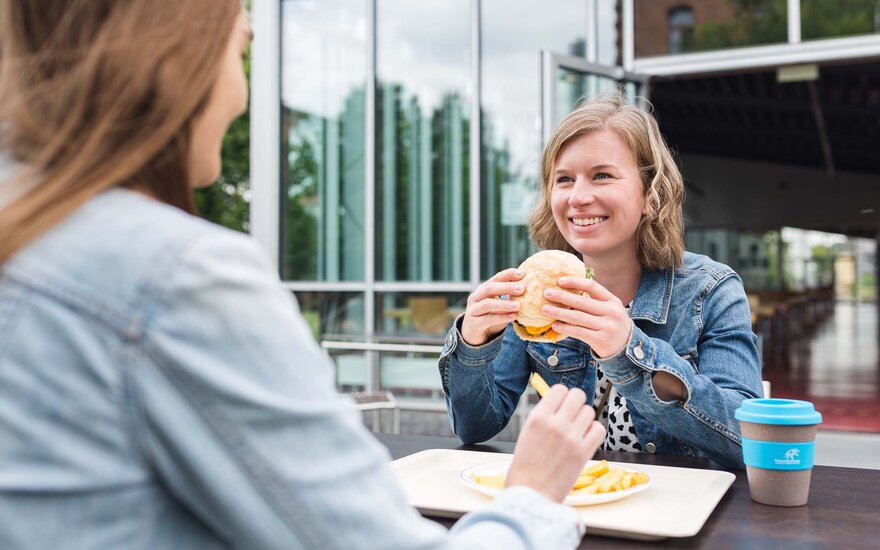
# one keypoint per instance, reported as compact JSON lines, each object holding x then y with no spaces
{"x":597,"y":196}
{"x":227,"y":101}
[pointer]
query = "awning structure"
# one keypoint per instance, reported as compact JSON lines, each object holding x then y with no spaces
{"x":755,"y":116}
{"x":824,"y":118}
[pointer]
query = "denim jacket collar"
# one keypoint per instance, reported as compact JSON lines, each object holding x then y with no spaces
{"x":654,"y":295}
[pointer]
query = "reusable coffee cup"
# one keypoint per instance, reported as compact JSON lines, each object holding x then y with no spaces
{"x":778,"y":440}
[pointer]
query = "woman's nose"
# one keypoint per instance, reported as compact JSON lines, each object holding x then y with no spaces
{"x":581,"y":194}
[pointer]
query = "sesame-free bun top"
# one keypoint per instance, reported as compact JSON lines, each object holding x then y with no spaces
{"x":542,"y":271}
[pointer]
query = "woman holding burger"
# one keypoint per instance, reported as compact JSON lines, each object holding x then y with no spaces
{"x":660,"y":339}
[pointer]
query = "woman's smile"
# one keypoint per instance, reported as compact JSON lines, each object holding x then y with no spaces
{"x":584,"y":223}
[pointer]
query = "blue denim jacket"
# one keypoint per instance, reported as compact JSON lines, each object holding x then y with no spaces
{"x":692,"y":321}
{"x":159,"y":389}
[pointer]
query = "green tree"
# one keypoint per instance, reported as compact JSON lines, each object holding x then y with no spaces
{"x":827,"y":18}
{"x":299,"y":258}
{"x":227,"y":202}
{"x":753,"y":22}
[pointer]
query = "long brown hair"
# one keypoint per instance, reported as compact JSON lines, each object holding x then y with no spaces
{"x":101,"y":93}
{"x":661,"y":230}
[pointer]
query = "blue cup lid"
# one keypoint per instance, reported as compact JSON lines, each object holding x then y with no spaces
{"x":785,"y":412}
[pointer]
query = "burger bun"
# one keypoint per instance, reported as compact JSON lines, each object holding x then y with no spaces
{"x":542,"y":271}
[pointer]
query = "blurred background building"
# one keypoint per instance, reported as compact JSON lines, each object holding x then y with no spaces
{"x":394,"y":150}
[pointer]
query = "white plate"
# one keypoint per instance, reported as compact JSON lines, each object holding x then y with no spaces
{"x":495,"y":468}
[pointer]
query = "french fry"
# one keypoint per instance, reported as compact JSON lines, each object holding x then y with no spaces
{"x":608,"y":482}
{"x":588,"y":490}
{"x":606,"y":476}
{"x":583,"y":481}
{"x":596,"y":470}
{"x":493,"y":482}
{"x":539,"y":384}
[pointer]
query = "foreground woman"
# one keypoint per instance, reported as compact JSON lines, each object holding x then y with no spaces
{"x":158,"y":387}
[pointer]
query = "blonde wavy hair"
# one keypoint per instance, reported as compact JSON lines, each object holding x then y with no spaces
{"x":661,"y":230}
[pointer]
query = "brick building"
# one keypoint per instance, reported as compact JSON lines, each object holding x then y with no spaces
{"x":661,"y":24}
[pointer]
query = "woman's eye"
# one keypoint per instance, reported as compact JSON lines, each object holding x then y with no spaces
{"x":602,"y":176}
{"x":563,"y":179}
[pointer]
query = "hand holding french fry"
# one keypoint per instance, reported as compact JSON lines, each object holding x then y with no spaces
{"x":558,"y":437}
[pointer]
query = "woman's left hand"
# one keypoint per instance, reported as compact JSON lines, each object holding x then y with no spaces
{"x":596,"y":317}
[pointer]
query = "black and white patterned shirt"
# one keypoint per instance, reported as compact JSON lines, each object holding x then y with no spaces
{"x":620,"y":432}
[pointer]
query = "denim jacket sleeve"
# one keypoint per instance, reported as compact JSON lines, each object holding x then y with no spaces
{"x":482,"y":384}
{"x":234,"y":408}
{"x":726,"y":370}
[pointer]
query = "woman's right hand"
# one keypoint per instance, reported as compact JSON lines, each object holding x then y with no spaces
{"x":558,"y":438}
{"x":487,"y":314}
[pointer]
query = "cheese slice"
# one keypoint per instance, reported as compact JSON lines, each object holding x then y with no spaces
{"x":537,"y":330}
{"x":543,"y":331}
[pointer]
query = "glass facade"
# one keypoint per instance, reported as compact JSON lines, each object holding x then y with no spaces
{"x":417,"y":316}
{"x":607,"y":33}
{"x":323,"y":83}
{"x":511,"y":115}
{"x":423,"y":100}
{"x":333,"y":315}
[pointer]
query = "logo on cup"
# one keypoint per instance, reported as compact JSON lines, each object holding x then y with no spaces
{"x":791,"y":457}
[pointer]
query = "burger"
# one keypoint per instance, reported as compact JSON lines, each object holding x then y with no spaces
{"x":542,"y":271}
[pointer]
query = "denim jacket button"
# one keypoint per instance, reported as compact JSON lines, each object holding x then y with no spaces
{"x":639,"y":352}
{"x":450,"y":338}
{"x":650,"y":447}
{"x":553,"y":360}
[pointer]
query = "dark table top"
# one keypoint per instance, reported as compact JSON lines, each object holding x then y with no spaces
{"x":843,"y":511}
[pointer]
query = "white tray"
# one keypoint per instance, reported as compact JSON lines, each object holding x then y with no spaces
{"x":676,"y":505}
